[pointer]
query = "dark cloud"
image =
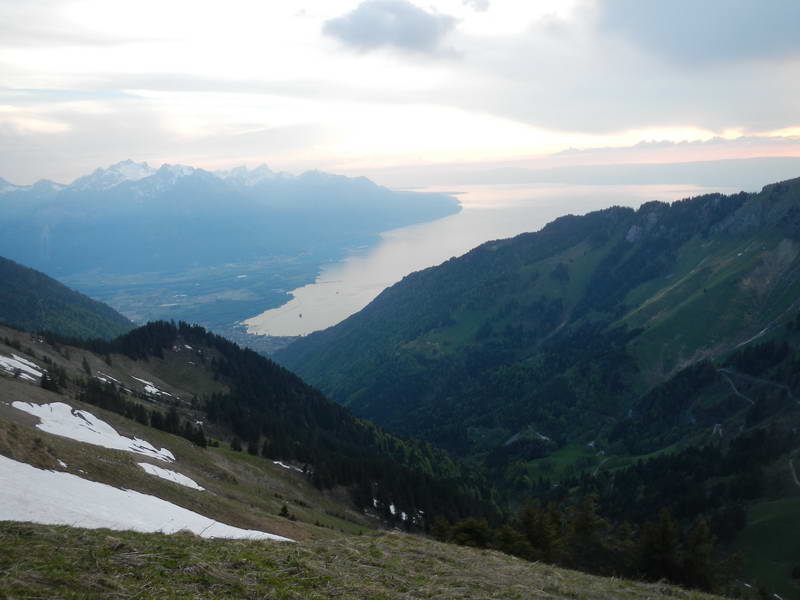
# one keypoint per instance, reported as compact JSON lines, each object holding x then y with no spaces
{"x":391,"y":24}
{"x":691,"y":31}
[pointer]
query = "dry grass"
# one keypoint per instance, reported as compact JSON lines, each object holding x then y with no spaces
{"x":58,"y":562}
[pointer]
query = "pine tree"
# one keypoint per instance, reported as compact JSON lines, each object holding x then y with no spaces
{"x":200,"y":437}
{"x":698,"y":563}
{"x":659,"y":552}
{"x":172,"y":423}
{"x":586,"y":545}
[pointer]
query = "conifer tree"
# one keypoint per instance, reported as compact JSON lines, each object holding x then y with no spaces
{"x":697,"y":564}
{"x":659,"y":549}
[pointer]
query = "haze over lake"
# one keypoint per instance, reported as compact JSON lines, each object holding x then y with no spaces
{"x":489,"y":212}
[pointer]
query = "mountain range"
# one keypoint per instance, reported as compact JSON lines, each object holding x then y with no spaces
{"x":616,"y":393}
{"x":179,"y":242}
{"x":177,"y":217}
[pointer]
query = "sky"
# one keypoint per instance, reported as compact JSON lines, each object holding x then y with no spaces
{"x":394,"y":88}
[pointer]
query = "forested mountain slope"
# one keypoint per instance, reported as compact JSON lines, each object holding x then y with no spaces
{"x":172,"y":376}
{"x":646,"y":359}
{"x":94,"y":440}
{"x":553,"y":335}
{"x":32,"y":300}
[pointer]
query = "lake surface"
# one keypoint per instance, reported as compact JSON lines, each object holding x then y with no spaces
{"x":488,"y":213}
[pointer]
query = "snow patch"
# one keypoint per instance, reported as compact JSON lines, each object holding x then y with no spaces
{"x":171,"y":476}
{"x":27,"y":369}
{"x":61,"y":419}
{"x":150,"y":388}
{"x":53,"y":498}
{"x":285,"y":466}
{"x":103,"y":179}
{"x":106,"y":378}
{"x":62,"y":464}
{"x":247,"y":177}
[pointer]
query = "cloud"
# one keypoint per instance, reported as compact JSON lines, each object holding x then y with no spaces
{"x":688,"y":31}
{"x":394,"y":24}
{"x":604,"y":70}
{"x":37,"y":25}
{"x":86,"y":139}
{"x":479,"y":5}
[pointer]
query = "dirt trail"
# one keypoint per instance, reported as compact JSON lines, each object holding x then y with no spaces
{"x":794,"y":473}
{"x":757,"y":380}
{"x":733,"y":386}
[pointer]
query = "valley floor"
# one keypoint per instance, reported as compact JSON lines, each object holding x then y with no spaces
{"x":39,"y":561}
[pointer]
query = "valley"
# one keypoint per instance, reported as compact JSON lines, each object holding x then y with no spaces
{"x":184,"y":243}
{"x":400,"y":299}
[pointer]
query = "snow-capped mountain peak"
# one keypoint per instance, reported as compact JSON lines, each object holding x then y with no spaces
{"x":103,"y":179}
{"x":6,"y":187}
{"x":250,"y":177}
{"x":46,"y":185}
{"x":170,"y":174}
{"x":247,"y":177}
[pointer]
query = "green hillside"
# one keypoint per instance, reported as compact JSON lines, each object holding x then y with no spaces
{"x":250,"y":403}
{"x":648,"y":359}
{"x":153,"y":385}
{"x":31,"y":300}
{"x":60,"y":562}
{"x":552,"y":336}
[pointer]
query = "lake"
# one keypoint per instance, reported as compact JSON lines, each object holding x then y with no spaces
{"x":488,"y":213}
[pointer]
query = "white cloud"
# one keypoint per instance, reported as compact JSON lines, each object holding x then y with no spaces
{"x":263,"y":82}
{"x":479,"y":5}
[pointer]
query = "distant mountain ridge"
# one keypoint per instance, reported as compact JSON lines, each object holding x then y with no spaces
{"x":131,"y":217}
{"x":182,"y":243}
{"x":33,"y":301}
{"x":104,"y":178}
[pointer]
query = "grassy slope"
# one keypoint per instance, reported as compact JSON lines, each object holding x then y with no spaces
{"x":243,"y":490}
{"x":770,"y":547}
{"x":39,"y":561}
{"x":339,"y":553}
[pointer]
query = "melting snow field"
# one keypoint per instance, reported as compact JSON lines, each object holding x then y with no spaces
{"x":27,"y":369}
{"x":52,"y":498}
{"x":61,"y":419}
{"x":171,"y":476}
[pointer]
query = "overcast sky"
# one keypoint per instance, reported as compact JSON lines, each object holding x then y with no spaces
{"x":384,"y":86}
